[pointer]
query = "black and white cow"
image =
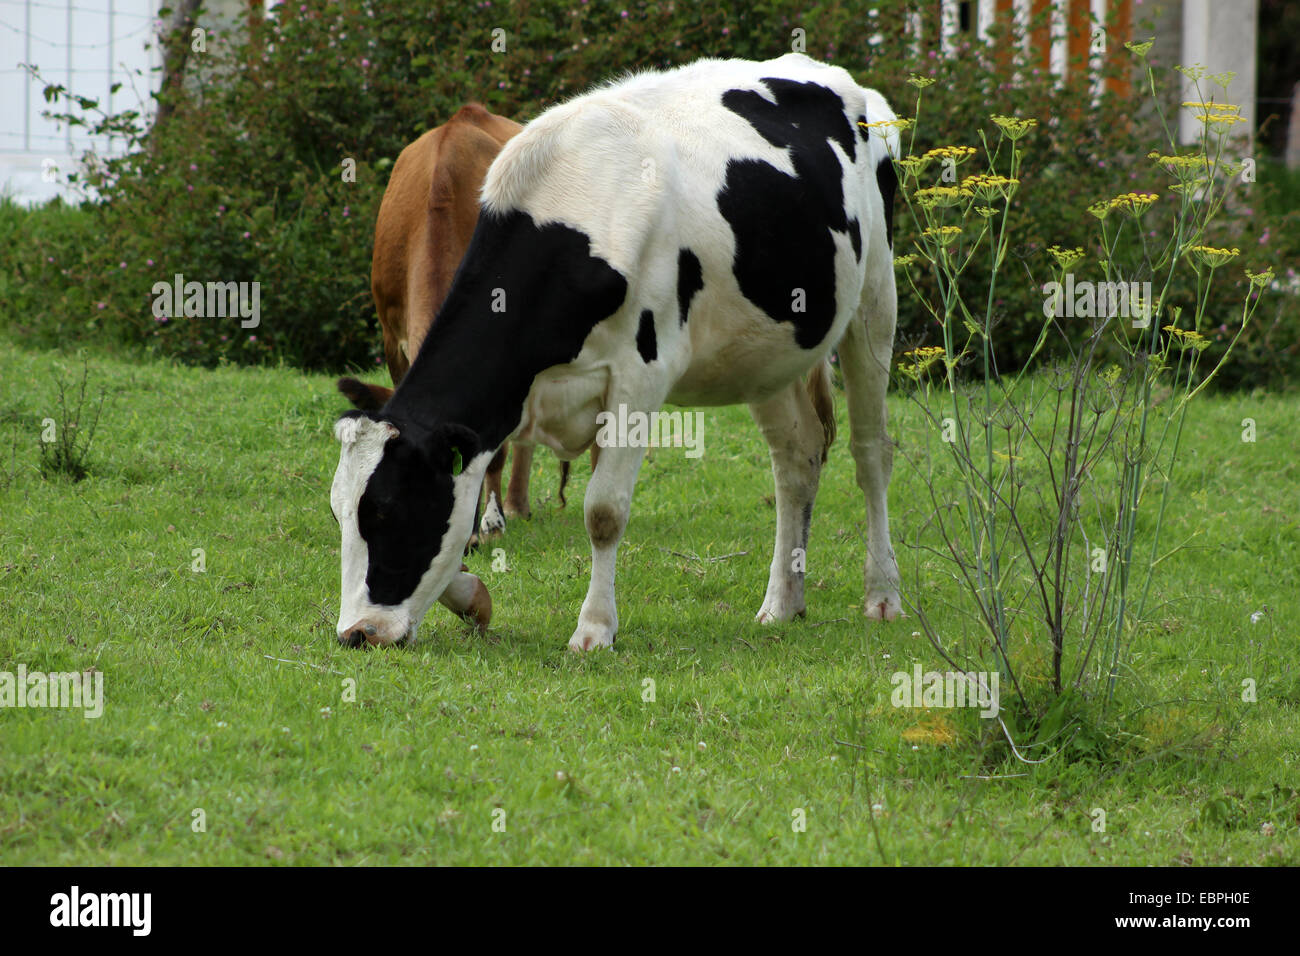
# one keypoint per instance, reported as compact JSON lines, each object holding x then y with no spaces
{"x":702,"y":236}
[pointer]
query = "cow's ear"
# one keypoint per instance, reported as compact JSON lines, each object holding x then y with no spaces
{"x":369,"y":398}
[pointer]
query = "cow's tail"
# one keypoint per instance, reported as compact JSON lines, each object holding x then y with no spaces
{"x":564,"y":470}
{"x":823,"y":400}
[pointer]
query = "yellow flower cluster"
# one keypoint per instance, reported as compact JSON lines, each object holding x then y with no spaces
{"x":1220,"y":117}
{"x":942,"y":196}
{"x":1012,"y":126}
{"x":1180,"y":164}
{"x":1134,"y":203}
{"x":958,"y":154}
{"x":921,"y":82}
{"x":944,"y":235}
{"x":1188,"y":339}
{"x":1221,"y":122}
{"x":930,"y":352}
{"x":900,"y":124}
{"x":1260,"y":280}
{"x":1065,"y":257}
{"x":1212,"y":257}
{"x":902,"y":262}
{"x":921,"y":359}
{"x":988,"y":186}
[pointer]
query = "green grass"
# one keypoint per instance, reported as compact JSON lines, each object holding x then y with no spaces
{"x":748,"y":723}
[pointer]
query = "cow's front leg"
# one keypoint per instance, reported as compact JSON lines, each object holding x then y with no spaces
{"x":607,"y":505}
{"x":796,"y":439}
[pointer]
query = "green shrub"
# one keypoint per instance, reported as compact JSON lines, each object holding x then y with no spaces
{"x":1048,"y":493}
{"x":244,"y":180}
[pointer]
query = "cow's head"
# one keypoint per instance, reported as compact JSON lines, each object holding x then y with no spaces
{"x":404,"y":498}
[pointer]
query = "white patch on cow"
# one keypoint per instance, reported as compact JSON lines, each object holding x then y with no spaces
{"x":363,"y":441}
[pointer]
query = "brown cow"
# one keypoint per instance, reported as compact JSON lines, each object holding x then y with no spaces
{"x":425,"y":223}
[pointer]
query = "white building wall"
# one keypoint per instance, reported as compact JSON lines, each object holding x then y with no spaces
{"x":87,"y":45}
{"x":1221,"y":36}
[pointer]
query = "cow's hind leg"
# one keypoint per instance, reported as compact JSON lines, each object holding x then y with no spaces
{"x":866,"y":352}
{"x":494,"y":519}
{"x":796,"y":439}
{"x":520,"y":471}
{"x":607,"y":505}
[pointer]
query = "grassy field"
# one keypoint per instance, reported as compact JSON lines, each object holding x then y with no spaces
{"x":748,"y":726}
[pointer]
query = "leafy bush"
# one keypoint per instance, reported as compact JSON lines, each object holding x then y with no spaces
{"x":1048,"y":492}
{"x":244,"y":180}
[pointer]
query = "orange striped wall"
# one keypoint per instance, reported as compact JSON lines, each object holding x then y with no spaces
{"x":1079,"y":26}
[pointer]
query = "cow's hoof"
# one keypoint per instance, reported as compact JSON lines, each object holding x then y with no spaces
{"x":493,"y":521}
{"x":591,"y":638}
{"x":883,"y":606}
{"x":516,"y":510}
{"x":772,"y":613}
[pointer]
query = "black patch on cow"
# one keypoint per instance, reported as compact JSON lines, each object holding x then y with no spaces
{"x":406,"y":507}
{"x":783,"y":224}
{"x":645,"y":337}
{"x":862,"y":129}
{"x":467,"y":386}
{"x":524,"y":299}
{"x":887,"y":181}
{"x":855,"y":237}
{"x":690,"y":280}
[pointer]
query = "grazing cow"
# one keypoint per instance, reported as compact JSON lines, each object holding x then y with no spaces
{"x":701,"y":236}
{"x":424,"y":226}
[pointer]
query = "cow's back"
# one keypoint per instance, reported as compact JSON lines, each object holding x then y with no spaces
{"x":425,"y":221}
{"x":738,"y":166}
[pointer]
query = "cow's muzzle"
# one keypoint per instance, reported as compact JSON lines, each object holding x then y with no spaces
{"x":368,"y":632}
